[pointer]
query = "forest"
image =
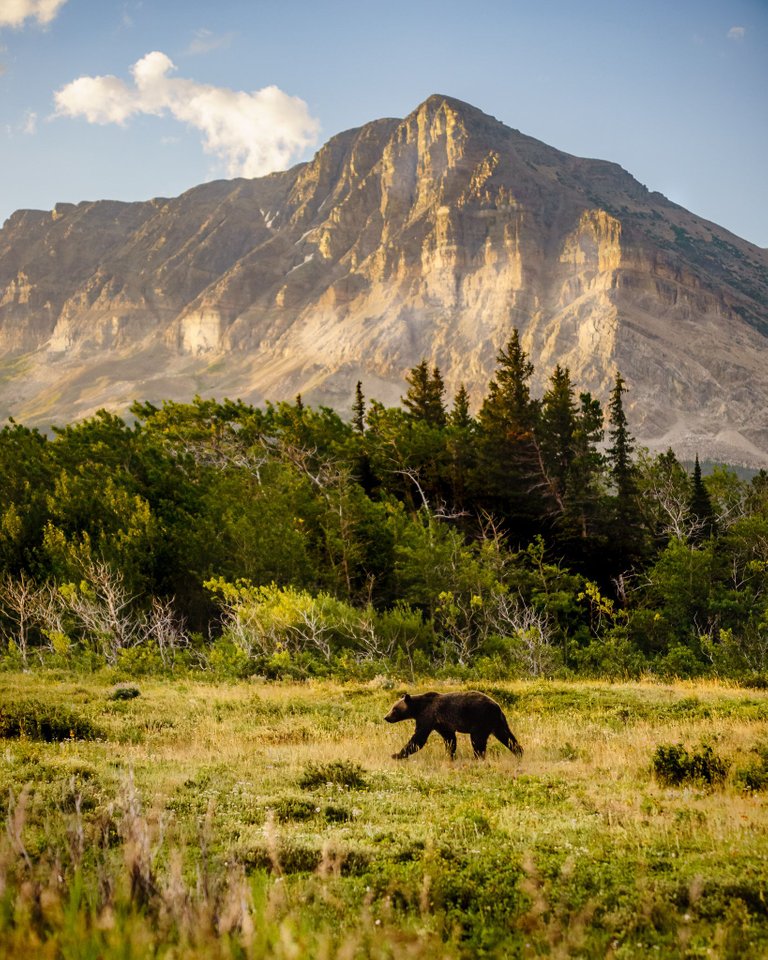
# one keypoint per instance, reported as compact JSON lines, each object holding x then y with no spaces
{"x":533,"y":538}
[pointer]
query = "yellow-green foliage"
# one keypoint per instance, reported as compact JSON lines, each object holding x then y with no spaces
{"x":263,"y":820}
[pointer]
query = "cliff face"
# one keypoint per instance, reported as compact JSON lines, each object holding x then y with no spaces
{"x":428,"y":237}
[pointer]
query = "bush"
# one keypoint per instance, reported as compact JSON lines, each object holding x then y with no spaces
{"x":754,"y":777}
{"x":32,"y":720}
{"x":339,"y":772}
{"x":124,"y":693}
{"x":674,"y":766}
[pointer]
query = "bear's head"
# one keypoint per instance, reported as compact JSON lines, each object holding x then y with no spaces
{"x":400,"y":711}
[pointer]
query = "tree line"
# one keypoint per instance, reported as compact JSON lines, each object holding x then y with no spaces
{"x":530,"y":538}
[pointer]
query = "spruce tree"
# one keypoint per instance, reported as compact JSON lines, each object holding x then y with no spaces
{"x":700,"y":506}
{"x":358,"y":409}
{"x":460,"y":415}
{"x":627,"y":533}
{"x":462,"y":448}
{"x":424,"y":398}
{"x":556,"y":430}
{"x":508,"y":476}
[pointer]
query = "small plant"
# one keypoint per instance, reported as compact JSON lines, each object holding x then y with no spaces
{"x":33,"y":720}
{"x":294,"y":808}
{"x":674,"y":766}
{"x":754,"y":777}
{"x":339,"y":772}
{"x":125,"y":693}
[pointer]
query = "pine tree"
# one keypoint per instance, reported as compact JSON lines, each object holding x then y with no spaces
{"x":358,"y":409}
{"x":460,"y":415}
{"x":627,"y":533}
{"x":700,"y":506}
{"x":508,"y":476}
{"x":462,"y":448}
{"x":557,"y":428}
{"x":424,"y":398}
{"x":622,"y":448}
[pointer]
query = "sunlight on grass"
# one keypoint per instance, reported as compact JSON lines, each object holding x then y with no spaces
{"x":260,"y":820}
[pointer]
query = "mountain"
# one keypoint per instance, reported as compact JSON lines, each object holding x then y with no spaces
{"x":431,"y":236}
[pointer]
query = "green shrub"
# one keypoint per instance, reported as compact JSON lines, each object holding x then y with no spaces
{"x":754,"y":777}
{"x":294,"y":808}
{"x":125,"y":693}
{"x":341,"y":773}
{"x":33,"y":720}
{"x":674,"y":766}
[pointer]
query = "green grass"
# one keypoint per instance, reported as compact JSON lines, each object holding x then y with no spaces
{"x":268,"y":820}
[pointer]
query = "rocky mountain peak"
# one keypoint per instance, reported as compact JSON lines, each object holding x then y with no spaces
{"x":431,"y":236}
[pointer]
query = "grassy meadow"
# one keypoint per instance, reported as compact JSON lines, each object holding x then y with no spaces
{"x":255,"y":819}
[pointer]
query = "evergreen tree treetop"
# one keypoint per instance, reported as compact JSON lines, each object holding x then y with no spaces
{"x":424,"y":398}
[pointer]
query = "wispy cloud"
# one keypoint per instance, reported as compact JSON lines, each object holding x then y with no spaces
{"x":252,"y":133}
{"x":13,"y":13}
{"x":206,"y":40}
{"x":736,"y":33}
{"x":30,"y":123}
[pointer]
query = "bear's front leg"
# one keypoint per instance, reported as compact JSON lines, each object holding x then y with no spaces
{"x":415,"y":744}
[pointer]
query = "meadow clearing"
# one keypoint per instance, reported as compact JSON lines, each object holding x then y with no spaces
{"x":254,"y":819}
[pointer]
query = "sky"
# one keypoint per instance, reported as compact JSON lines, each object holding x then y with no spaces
{"x":133,"y":99}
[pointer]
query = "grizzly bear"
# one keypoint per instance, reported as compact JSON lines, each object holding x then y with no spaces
{"x":451,"y":713}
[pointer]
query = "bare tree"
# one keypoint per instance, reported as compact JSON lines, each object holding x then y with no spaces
{"x":166,"y":629}
{"x":105,"y":609}
{"x":21,"y":599}
{"x":531,"y":629}
{"x":312,"y":629}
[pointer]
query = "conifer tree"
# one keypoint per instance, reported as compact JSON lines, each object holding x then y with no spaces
{"x":557,"y":430}
{"x":358,"y":409}
{"x":700,"y":506}
{"x":460,"y":415}
{"x":424,"y":398}
{"x":508,"y":475}
{"x":622,"y":446}
{"x":627,"y":533}
{"x":462,"y":448}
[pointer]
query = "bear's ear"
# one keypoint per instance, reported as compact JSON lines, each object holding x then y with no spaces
{"x":407,"y":697}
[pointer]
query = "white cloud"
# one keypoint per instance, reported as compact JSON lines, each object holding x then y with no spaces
{"x":13,"y":13}
{"x":253,"y":133}
{"x":30,"y":123}
{"x":736,"y":33}
{"x":205,"y":41}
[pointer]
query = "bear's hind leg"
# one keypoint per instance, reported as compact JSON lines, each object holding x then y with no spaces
{"x":502,"y":733}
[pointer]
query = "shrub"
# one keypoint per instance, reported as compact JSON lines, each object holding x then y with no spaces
{"x":674,"y":766}
{"x":339,"y":772}
{"x":754,"y":777}
{"x":32,"y":720}
{"x":125,"y":693}
{"x":294,"y":808}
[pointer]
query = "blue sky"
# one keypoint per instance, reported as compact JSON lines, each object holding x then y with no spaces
{"x":139,"y":98}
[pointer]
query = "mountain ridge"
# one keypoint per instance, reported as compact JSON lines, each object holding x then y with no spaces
{"x":431,"y":236}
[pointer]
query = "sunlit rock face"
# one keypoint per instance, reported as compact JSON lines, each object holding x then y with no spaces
{"x":432,"y":236}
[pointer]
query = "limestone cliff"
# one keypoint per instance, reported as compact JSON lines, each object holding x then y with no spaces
{"x":428,"y":237}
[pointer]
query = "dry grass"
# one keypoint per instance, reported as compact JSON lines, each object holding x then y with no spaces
{"x":190,"y":834}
